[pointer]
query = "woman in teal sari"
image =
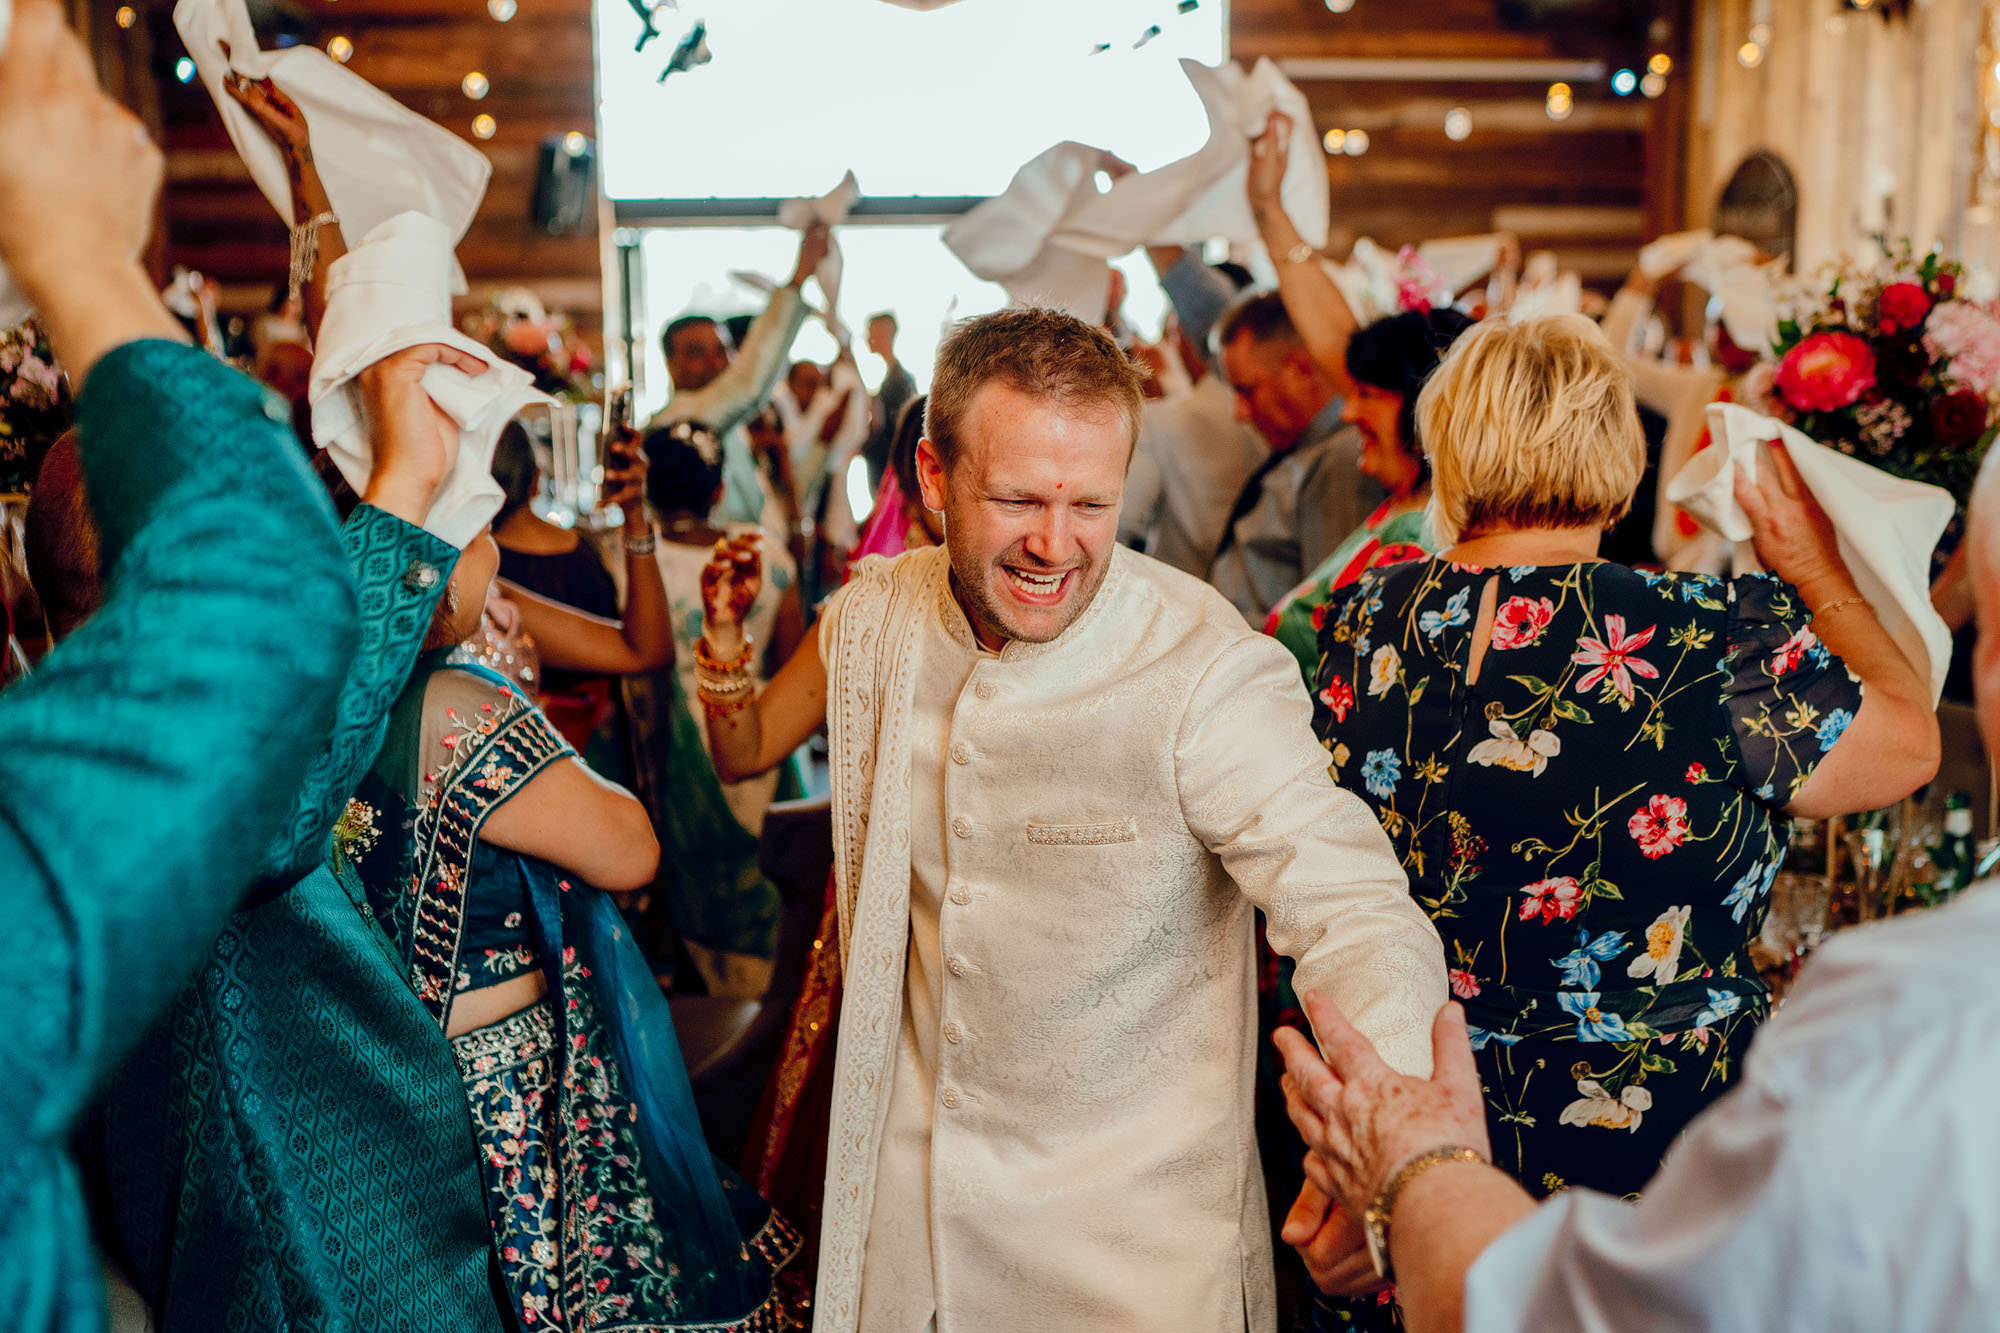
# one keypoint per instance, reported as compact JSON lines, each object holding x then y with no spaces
{"x":495,"y":851}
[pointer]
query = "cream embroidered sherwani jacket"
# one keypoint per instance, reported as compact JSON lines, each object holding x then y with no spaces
{"x":1114,"y":803}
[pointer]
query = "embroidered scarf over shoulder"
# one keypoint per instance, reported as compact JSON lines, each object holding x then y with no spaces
{"x":870,"y":641}
{"x":485,"y":754}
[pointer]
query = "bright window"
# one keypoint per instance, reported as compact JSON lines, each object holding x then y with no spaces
{"x":942,"y":103}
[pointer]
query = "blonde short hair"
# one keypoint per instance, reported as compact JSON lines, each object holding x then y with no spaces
{"x":1044,"y":353}
{"x":1530,"y":424}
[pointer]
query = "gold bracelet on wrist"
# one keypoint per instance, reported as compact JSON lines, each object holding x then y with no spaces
{"x":1837,"y":604}
{"x":1375,"y":1218}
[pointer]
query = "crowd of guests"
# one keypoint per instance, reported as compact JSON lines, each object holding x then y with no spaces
{"x":343,"y":1001}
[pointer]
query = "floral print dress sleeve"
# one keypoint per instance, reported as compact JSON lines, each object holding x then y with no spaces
{"x":1788,"y":698}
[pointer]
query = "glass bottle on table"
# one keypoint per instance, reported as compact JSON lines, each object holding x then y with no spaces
{"x":1953,"y":854}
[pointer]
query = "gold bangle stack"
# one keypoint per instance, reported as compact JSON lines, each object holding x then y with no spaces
{"x":723,"y":687}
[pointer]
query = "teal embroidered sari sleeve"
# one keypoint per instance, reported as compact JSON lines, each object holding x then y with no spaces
{"x":154,"y":748}
{"x":399,"y":576}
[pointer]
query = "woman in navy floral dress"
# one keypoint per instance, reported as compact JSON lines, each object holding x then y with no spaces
{"x":1588,"y":770}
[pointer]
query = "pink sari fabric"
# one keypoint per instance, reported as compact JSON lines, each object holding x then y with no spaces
{"x":886,"y":530}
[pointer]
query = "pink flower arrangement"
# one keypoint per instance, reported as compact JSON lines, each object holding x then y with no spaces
{"x":1890,"y":365}
{"x":1826,"y":372}
{"x":1521,"y":620}
{"x":1969,"y":337}
{"x":1659,"y":826}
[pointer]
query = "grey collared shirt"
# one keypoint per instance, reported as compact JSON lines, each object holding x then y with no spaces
{"x":1305,"y":504}
{"x":1188,"y":467}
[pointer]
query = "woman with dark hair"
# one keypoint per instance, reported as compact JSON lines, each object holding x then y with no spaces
{"x":724,"y":909}
{"x":1387,"y":365}
{"x":551,"y":572}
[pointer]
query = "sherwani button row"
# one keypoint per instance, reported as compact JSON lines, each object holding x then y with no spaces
{"x":953,"y":1033}
{"x":962,"y":827}
{"x":961,"y":753}
{"x":956,"y":966}
{"x":961,"y":895}
{"x":985,"y":689}
{"x":949,"y":1097}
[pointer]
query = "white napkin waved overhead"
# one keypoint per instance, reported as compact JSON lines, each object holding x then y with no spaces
{"x":391,"y":292}
{"x":1664,"y":254}
{"x":1726,"y":267}
{"x":1371,"y":281}
{"x":832,"y":209}
{"x":1560,"y":295}
{"x":1887,"y":526}
{"x":1047,"y":238}
{"x":376,"y":157}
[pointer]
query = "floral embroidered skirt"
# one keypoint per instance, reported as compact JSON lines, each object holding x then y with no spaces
{"x":1598,"y":1115}
{"x":619,"y":1272}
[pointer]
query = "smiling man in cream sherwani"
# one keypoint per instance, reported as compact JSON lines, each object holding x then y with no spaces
{"x":1062,"y":775}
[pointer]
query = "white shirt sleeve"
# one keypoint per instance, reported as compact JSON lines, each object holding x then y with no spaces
{"x":1254,"y":788}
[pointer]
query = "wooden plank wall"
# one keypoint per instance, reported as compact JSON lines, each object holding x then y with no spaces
{"x":1591,"y":187}
{"x":1880,"y":119}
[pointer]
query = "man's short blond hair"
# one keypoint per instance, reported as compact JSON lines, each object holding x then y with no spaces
{"x":1530,"y":425}
{"x":1043,"y":353}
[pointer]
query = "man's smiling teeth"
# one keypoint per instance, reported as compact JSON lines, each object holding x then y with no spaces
{"x":1036,"y":582}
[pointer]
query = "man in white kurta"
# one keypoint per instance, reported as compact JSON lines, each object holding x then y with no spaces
{"x":1063,"y":773}
{"x":1047,"y":856}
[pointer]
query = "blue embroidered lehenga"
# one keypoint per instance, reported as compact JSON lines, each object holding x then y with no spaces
{"x":608,"y":1211}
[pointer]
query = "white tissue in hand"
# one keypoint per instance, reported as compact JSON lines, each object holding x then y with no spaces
{"x":376,"y":157}
{"x":386,"y":294}
{"x":1887,"y":526}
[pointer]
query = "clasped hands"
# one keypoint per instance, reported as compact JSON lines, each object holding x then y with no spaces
{"x":1361,"y":1120}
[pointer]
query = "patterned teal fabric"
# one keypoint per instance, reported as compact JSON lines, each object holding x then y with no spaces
{"x":290,"y":1149}
{"x":147,"y":751}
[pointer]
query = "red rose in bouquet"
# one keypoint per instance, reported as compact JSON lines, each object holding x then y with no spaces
{"x":1902,"y":307}
{"x":1826,"y":372}
{"x":1958,"y":418}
